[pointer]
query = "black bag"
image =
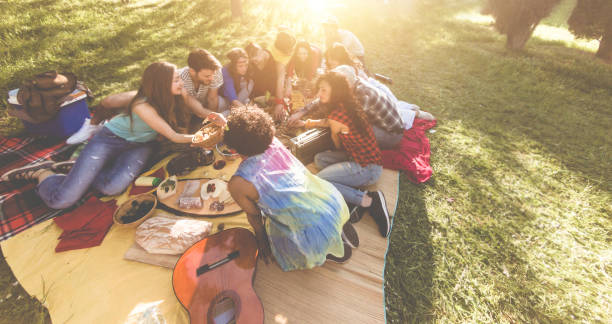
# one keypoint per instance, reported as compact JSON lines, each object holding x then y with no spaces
{"x":42,"y":96}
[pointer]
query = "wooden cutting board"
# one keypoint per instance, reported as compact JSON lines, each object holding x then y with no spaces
{"x":172,"y":202}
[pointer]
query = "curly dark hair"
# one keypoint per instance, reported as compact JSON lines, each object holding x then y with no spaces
{"x":342,"y":96}
{"x":250,"y":130}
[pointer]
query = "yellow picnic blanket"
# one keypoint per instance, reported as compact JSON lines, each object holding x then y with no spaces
{"x":97,"y":285}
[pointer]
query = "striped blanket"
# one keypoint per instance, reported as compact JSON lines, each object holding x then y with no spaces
{"x":20,"y":206}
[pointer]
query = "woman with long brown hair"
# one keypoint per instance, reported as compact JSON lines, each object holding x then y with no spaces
{"x":119,"y":152}
{"x":338,"y":55}
{"x":237,"y":84}
{"x":357,"y":160}
{"x":305,"y":61}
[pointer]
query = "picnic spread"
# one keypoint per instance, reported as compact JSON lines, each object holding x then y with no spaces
{"x":263,"y":202}
{"x":126,"y":290}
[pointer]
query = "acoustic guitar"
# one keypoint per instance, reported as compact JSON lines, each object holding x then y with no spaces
{"x":218,"y":267}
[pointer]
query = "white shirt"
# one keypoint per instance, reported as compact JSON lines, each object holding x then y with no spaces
{"x":202,"y":92}
{"x":351,"y":42}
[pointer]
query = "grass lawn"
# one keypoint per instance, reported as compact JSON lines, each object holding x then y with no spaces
{"x":515,"y":224}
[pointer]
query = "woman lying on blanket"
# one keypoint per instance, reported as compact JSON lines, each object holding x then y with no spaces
{"x":298,"y":218}
{"x":357,"y":160}
{"x":119,"y":152}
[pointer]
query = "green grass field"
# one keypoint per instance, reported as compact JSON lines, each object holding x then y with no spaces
{"x":514,"y":226}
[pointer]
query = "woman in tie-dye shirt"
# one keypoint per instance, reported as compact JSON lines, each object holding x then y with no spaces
{"x":298,"y":218}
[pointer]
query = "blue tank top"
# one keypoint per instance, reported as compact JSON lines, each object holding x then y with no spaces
{"x":138,"y":131}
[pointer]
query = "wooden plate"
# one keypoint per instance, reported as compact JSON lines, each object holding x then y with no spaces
{"x":172,"y":202}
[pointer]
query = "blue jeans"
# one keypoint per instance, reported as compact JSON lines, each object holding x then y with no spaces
{"x":346,"y":175}
{"x":108,"y":163}
{"x":386,"y":140}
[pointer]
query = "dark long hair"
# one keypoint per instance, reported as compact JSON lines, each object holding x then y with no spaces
{"x":155,"y":89}
{"x":304,"y":69}
{"x":339,"y":53}
{"x":342,"y":96}
{"x":234,"y":55}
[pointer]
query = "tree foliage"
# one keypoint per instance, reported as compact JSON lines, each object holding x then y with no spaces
{"x":518,"y":18}
{"x":593,"y":19}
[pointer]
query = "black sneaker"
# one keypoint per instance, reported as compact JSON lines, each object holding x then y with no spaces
{"x":348,"y":252}
{"x":63,"y":167}
{"x":349,"y":235}
{"x":379,"y":212}
{"x":356,"y":213}
{"x":26,"y":172}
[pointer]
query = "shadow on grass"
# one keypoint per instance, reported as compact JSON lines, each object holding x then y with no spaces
{"x":17,"y":306}
{"x":410,"y":266}
{"x":102,"y":56}
{"x":551,"y":98}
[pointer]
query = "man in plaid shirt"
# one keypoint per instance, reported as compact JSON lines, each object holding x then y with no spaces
{"x":381,"y":109}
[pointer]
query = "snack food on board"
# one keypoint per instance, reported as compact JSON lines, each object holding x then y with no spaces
{"x":209,"y":135}
{"x":214,"y":188}
{"x":167,"y":188}
{"x":190,"y":202}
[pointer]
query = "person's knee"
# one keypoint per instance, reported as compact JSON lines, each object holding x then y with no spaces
{"x":111,"y":189}
{"x":62,"y":204}
{"x":319,"y":161}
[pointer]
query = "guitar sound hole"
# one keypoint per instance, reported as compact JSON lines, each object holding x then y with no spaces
{"x":224,"y":311}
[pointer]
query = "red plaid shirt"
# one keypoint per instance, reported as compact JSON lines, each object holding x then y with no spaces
{"x":363,"y":149}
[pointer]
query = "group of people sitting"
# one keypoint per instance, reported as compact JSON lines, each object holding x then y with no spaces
{"x":300,"y":219}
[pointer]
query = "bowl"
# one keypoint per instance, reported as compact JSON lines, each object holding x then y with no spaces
{"x":226,"y":152}
{"x":133,"y":202}
{"x":209,"y":135}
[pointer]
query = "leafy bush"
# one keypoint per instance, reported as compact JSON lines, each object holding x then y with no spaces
{"x":593,"y":19}
{"x":518,"y":18}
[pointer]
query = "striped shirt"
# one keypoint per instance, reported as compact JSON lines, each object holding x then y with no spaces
{"x":202,"y":92}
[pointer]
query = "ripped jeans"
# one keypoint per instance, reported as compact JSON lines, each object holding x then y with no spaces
{"x":346,"y":175}
{"x":108,"y":163}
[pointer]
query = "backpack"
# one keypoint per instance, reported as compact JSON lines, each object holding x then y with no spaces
{"x":42,"y":96}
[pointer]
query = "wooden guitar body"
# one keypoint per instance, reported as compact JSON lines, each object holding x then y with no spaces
{"x":218,"y":267}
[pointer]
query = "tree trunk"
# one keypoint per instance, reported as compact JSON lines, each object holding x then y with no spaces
{"x":517,"y":38}
{"x":605,"y":47}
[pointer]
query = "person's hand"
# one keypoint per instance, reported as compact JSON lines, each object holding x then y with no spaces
{"x":184,"y":92}
{"x":217,"y":118}
{"x":265,"y":252}
{"x":278,"y":112}
{"x":295,"y":120}
{"x":297,"y":123}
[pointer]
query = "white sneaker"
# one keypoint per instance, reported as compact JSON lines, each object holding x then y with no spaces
{"x":84,"y":133}
{"x":425,"y":115}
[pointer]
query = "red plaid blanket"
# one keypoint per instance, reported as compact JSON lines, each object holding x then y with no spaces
{"x":20,"y":206}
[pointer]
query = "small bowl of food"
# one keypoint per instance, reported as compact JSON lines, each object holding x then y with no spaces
{"x":167,"y":188}
{"x":209,"y":135}
{"x":135,"y":210}
{"x":227,"y":153}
